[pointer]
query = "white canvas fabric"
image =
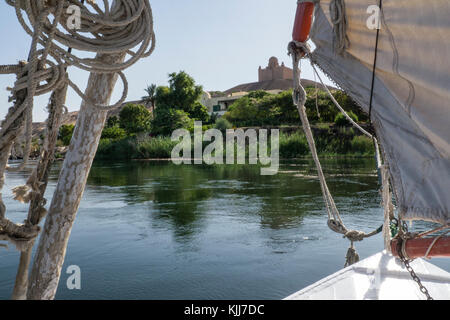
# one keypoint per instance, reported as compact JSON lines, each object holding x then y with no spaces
{"x":411,"y":106}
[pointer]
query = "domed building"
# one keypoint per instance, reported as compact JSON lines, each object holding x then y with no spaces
{"x":275,"y":72}
{"x":274,"y":78}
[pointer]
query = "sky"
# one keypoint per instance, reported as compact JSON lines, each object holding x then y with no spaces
{"x":220,"y":43}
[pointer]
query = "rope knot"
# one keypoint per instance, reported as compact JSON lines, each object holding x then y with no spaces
{"x":336,"y":226}
{"x":354,"y":235}
{"x":298,"y":49}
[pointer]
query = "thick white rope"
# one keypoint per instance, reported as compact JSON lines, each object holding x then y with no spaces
{"x":120,"y":28}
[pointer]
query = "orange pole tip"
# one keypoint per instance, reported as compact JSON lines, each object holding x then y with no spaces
{"x":303,"y":21}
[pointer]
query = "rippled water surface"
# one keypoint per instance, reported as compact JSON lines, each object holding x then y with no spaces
{"x":154,"y":230}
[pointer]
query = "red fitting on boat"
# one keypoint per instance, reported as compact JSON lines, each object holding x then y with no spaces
{"x":417,"y":248}
{"x":303,"y":21}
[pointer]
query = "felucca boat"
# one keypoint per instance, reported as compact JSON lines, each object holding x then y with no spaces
{"x":392,"y":58}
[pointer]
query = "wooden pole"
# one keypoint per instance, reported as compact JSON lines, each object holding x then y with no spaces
{"x":46,"y":271}
{"x":35,"y":212}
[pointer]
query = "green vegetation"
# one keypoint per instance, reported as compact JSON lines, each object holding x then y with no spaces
{"x":114,"y":133}
{"x":223,"y":124}
{"x":135,"y":119}
{"x":178,"y":105}
{"x":141,"y":134}
{"x":342,"y":121}
{"x":166,"y":120}
{"x":292,"y":145}
{"x":134,"y":148}
{"x":260,"y":108}
{"x":65,"y":133}
{"x":150,"y":97}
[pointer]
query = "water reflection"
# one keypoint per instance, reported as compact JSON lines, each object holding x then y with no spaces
{"x":184,"y":196}
{"x":153,"y":230}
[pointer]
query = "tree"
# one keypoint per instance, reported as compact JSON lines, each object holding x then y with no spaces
{"x":135,"y":119}
{"x":258,"y":94}
{"x":177,"y":104}
{"x":184,"y":92}
{"x":112,"y":122}
{"x":166,"y":120}
{"x":150,"y":98}
{"x":242,"y":111}
{"x":181,"y":94}
{"x":200,"y":113}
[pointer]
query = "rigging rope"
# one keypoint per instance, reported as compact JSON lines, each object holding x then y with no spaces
{"x":118,"y":28}
{"x":297,"y":50}
{"x":339,"y":20}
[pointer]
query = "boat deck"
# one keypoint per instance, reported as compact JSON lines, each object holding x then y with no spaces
{"x":379,"y":277}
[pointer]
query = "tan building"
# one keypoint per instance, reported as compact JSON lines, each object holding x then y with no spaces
{"x":274,"y":78}
{"x":275,"y":72}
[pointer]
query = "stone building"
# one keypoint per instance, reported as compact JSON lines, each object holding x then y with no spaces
{"x":274,"y":71}
{"x":274,"y":78}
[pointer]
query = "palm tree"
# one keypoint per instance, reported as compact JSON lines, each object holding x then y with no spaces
{"x":149,"y":99}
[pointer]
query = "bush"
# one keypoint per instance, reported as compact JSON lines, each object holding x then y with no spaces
{"x":293,"y":146}
{"x":342,"y":121}
{"x":167,"y":120}
{"x":258,"y":94}
{"x":242,"y":112}
{"x":112,"y":122}
{"x":109,"y":149}
{"x":131,"y":148}
{"x":135,"y":118}
{"x":222,"y":124}
{"x":261,"y":108}
{"x":200,"y":112}
{"x":362,"y":145}
{"x":155,"y":148}
{"x":114,"y":133}
{"x":65,"y":133}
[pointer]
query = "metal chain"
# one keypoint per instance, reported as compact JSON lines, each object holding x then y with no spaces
{"x":411,"y":270}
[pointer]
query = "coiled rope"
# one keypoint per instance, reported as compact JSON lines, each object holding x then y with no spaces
{"x":126,"y":26}
{"x":339,"y":21}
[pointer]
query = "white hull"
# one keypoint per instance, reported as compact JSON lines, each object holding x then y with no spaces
{"x":380,"y":277}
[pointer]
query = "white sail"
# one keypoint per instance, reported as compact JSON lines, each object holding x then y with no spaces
{"x":411,"y":111}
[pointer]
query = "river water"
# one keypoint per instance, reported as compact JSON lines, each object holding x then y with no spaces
{"x":154,"y":230}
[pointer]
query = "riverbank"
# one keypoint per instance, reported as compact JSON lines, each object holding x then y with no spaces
{"x":330,"y":142}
